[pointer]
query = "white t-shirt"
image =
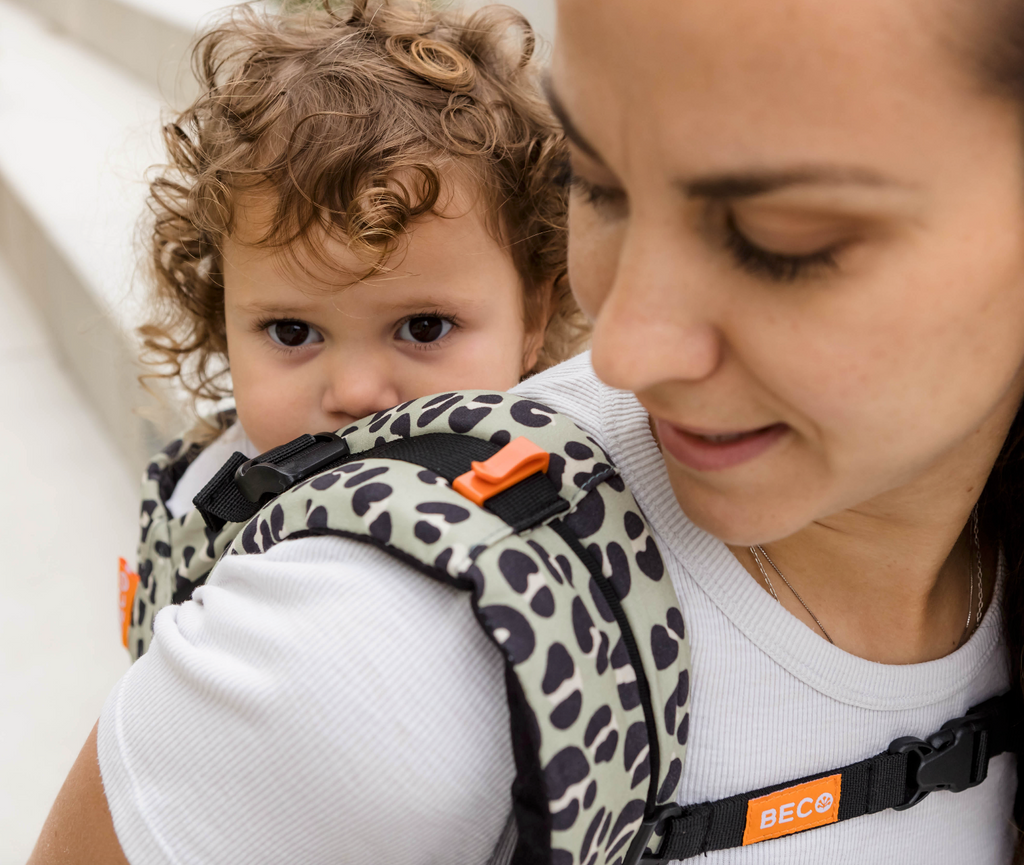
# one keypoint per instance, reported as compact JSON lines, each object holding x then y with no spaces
{"x":324,"y":702}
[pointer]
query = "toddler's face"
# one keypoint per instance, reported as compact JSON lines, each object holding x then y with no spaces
{"x":311,"y":350}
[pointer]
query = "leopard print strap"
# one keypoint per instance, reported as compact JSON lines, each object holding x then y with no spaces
{"x":574,"y":691}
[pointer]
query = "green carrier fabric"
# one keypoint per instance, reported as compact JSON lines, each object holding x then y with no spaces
{"x":561,"y":570}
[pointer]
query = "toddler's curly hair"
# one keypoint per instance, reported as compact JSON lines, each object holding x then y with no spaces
{"x":350,"y":119}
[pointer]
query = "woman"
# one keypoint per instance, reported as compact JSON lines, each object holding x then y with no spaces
{"x":799,"y":230}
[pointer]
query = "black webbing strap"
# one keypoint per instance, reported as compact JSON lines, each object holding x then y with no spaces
{"x":955,"y":759}
{"x":242,"y":486}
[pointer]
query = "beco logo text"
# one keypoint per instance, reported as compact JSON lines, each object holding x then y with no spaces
{"x":792,"y":810}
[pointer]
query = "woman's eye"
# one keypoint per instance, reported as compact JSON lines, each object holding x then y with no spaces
{"x":776,"y":266}
{"x":597,"y":196}
{"x":424,"y":328}
{"x":293,"y":334}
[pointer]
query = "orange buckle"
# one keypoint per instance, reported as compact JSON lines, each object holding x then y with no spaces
{"x":519,"y":459}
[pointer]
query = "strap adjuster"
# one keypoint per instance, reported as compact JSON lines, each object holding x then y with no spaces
{"x":515,"y":462}
{"x":264,"y":475}
{"x":953,"y":759}
{"x":636,"y":855}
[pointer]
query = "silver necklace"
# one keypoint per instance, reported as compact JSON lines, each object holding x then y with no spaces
{"x":975,"y":576}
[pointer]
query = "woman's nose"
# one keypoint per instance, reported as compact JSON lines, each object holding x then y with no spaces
{"x":358,"y":386}
{"x":658,"y":320}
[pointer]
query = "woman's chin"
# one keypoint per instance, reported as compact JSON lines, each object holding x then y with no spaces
{"x":741,"y":518}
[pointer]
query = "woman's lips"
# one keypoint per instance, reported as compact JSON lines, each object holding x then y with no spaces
{"x":708,"y":451}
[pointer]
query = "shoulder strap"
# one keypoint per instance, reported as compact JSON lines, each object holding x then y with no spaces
{"x":954,"y":759}
{"x":564,"y":577}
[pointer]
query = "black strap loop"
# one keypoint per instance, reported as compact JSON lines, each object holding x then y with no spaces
{"x":242,"y":486}
{"x":955,"y":759}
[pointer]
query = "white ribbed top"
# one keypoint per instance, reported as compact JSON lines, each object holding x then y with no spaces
{"x":308,"y":697}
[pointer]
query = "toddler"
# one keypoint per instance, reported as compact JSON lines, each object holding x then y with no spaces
{"x":363,"y":207}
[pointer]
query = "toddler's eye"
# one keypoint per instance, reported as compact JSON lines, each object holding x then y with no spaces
{"x":293,"y":334}
{"x":424,"y":328}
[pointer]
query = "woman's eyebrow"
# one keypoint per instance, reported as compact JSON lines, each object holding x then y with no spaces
{"x":747,"y":184}
{"x":568,"y":127}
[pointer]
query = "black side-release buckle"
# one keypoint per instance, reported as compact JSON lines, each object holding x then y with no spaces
{"x":954,"y":759}
{"x":257,"y":477}
{"x":637,"y":853}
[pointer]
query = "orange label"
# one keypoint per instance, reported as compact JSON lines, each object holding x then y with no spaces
{"x":127,"y":582}
{"x":804,"y":806}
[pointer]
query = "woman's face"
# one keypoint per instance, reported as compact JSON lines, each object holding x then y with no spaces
{"x":799,"y":229}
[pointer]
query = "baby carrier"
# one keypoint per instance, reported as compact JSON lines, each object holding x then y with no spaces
{"x":514,"y":504}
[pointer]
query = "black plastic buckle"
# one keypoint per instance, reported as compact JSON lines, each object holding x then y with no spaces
{"x":257,"y":479}
{"x":637,"y":853}
{"x":953,"y":759}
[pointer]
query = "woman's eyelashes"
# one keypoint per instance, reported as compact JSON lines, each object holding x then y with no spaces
{"x":291,"y":333}
{"x":596,"y":195}
{"x":425,"y":329}
{"x":772,"y":265}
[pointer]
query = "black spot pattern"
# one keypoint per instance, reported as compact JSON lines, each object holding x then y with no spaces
{"x":556,"y":575}
{"x":490,"y":399}
{"x":588,"y":837}
{"x":566,"y":567}
{"x":162,"y":549}
{"x":317,"y":518}
{"x":401,"y":426}
{"x":578,"y":451}
{"x":531,"y":414}
{"x":683,"y":732}
{"x":325,"y":481}
{"x":543,"y":603}
{"x":582,"y":624}
{"x":618,"y":562}
{"x":379,"y":419}
{"x":363,"y":477}
{"x":464,"y":418}
{"x":556,"y":468}
{"x":565,"y":713}
{"x":588,"y":516}
{"x":380,"y":528}
{"x":501,"y":438}
{"x":366,"y":496}
{"x":668,"y":787}
{"x":629,"y":692}
{"x":634,"y":525}
{"x":516,"y":568}
{"x":675,"y":622}
{"x":559,"y":668}
{"x":435,"y":408}
{"x":649,"y":560}
{"x":426,"y":532}
{"x":618,"y":837}
{"x":590,"y":795}
{"x":664,"y":648}
{"x":517,"y":640}
{"x":437,"y":400}
{"x":452,"y":513}
{"x":569,"y":766}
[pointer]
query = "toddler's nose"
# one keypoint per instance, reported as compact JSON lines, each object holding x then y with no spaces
{"x":356,"y":390}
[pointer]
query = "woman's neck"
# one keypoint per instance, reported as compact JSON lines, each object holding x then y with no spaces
{"x":890,"y":580}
